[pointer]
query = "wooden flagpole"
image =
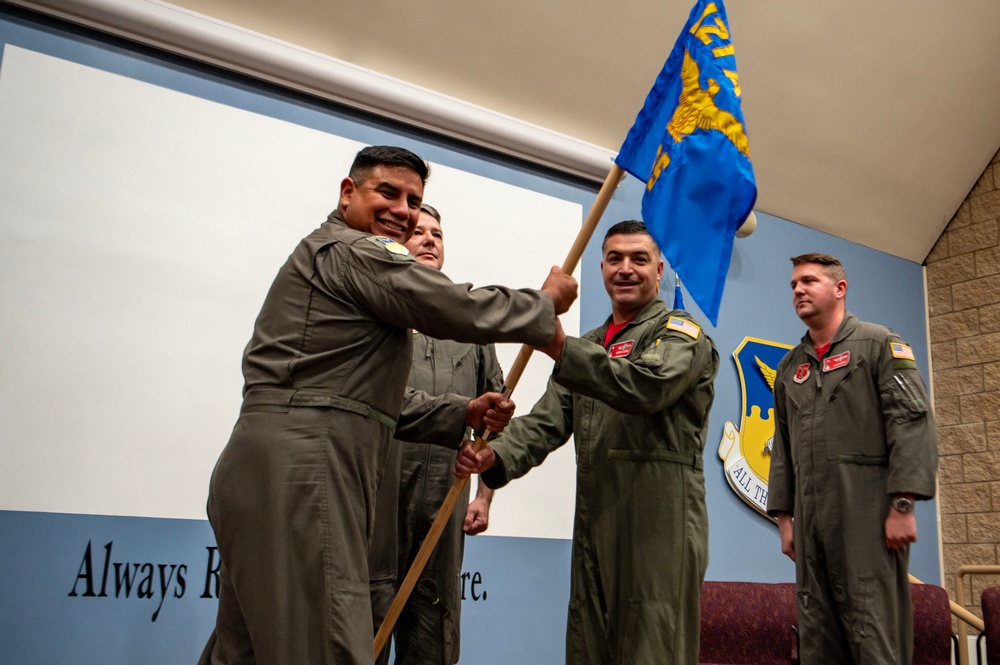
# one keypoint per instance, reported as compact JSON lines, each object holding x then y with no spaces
{"x":615,"y":176}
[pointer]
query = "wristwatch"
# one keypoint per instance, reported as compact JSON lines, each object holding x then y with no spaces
{"x":902,"y":505}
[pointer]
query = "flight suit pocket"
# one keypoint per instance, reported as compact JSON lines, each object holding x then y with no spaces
{"x":463,"y":370}
{"x":432,"y":630}
{"x":650,"y":635}
{"x":846,"y":378}
{"x":451,"y":638}
{"x":904,"y":398}
{"x":587,"y":639}
{"x":349,"y":624}
{"x":862,"y":610}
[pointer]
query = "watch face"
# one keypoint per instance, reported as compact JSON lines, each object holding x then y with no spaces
{"x":902,"y":505}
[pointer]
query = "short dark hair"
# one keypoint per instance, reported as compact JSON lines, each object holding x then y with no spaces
{"x":430,"y":210}
{"x":387,"y":155}
{"x":629,"y":227}
{"x":831,"y":265}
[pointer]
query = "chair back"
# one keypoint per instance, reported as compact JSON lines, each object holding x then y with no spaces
{"x":747,"y":623}
{"x":931,"y":625}
{"x":991,"y":617}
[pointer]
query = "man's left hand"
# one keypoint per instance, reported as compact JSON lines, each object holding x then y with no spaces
{"x":900,"y":529}
{"x":477,"y":516}
{"x":491,"y":410}
{"x":468,"y":461}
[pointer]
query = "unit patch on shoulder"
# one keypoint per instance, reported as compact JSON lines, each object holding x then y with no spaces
{"x":682,"y":326}
{"x":901,"y":351}
{"x":392,"y":245}
{"x":399,"y":252}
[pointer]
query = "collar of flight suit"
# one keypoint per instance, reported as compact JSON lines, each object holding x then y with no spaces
{"x":336,"y":218}
{"x":847,"y":326}
{"x":652,"y":309}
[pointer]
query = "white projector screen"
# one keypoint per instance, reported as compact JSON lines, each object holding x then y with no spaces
{"x":141,"y":228}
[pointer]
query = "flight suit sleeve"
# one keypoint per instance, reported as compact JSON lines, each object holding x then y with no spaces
{"x":529,"y":439}
{"x":408,"y":294}
{"x":910,"y":433}
{"x":426,"y":418}
{"x":781,"y":479}
{"x":665,"y":370}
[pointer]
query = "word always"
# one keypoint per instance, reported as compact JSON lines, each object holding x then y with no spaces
{"x":144,"y":580}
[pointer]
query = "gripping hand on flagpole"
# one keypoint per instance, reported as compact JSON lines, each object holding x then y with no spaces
{"x":469,"y":461}
{"x":490,"y":410}
{"x":562,"y":287}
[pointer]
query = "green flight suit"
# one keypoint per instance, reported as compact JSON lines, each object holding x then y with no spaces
{"x":416,"y":481}
{"x":851,"y":430}
{"x":640,"y":534}
{"x":292,"y":496}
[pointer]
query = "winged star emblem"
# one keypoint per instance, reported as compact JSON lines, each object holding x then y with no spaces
{"x":746,"y":450}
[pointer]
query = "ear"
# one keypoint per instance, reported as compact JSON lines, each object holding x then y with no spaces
{"x":347,"y":189}
{"x":659,"y":271}
{"x":840,"y":288}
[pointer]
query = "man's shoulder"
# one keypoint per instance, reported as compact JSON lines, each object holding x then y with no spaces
{"x":680,"y":323}
{"x":869,"y":330}
{"x":793,"y":357}
{"x":360,"y":243}
{"x":396,"y":251}
{"x":335,"y":230}
{"x":874,"y":337}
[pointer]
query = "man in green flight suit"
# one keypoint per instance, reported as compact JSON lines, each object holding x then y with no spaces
{"x":292,"y":497}
{"x":635,"y":394}
{"x":854,"y":446}
{"x":417,"y":480}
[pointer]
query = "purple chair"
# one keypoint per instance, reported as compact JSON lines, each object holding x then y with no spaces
{"x":991,"y":617}
{"x":933,"y":639}
{"x":746,"y":623}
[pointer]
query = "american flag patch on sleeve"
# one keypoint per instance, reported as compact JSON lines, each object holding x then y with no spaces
{"x":686,"y":327}
{"x":903,"y":351}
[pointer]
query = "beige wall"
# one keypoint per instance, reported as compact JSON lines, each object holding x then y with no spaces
{"x":963,"y":280}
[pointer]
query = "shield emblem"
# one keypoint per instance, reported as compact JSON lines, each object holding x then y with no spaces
{"x":746,"y":450}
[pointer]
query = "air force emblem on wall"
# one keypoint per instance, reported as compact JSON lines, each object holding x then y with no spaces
{"x":746,"y":452}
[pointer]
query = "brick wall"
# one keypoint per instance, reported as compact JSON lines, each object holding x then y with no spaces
{"x":963,"y":281}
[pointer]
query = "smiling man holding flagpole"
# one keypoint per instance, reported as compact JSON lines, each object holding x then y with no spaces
{"x":636,"y":392}
{"x":689,"y":146}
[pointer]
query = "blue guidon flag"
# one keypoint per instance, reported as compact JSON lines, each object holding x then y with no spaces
{"x":689,"y":145}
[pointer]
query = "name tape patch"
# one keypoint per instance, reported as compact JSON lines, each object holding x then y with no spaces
{"x":621,"y":349}
{"x":837,"y":361}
